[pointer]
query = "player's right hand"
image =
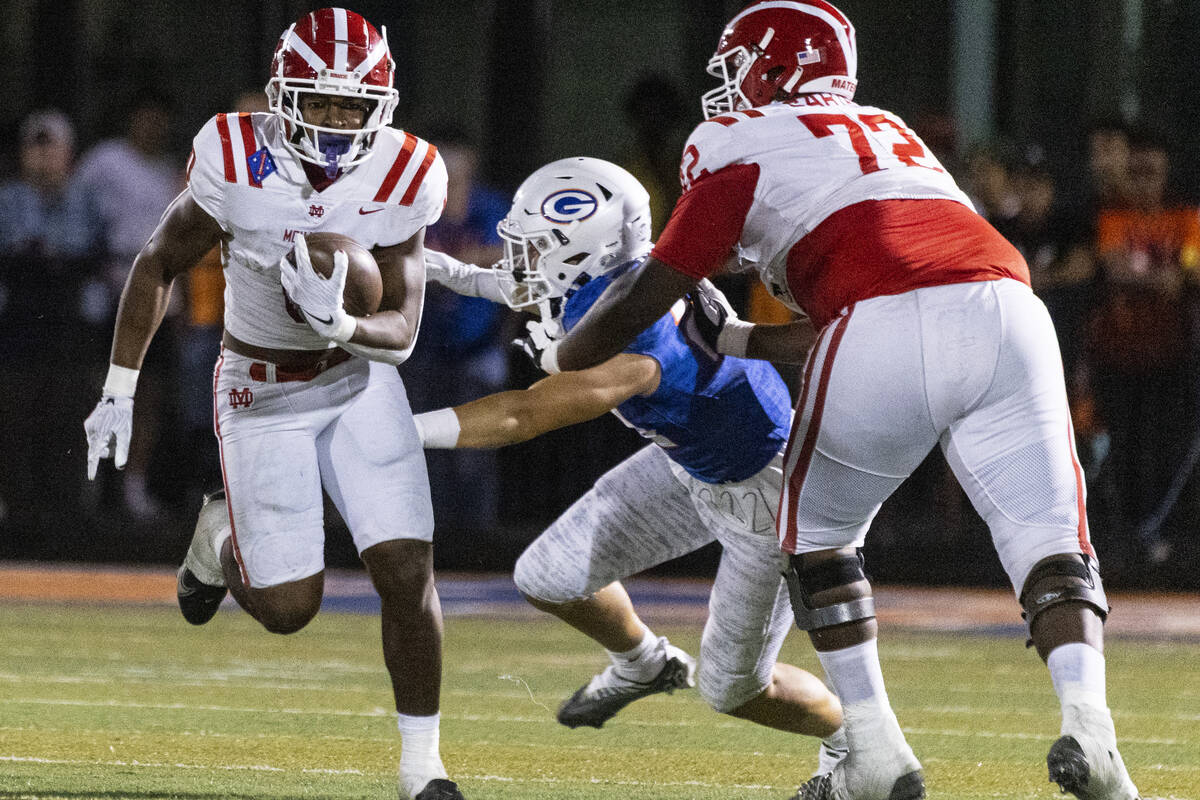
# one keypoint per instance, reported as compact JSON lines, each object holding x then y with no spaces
{"x":109,"y":428}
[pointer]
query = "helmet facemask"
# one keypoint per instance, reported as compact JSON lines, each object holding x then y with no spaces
{"x":327,"y":147}
{"x":731,"y":68}
{"x":544,"y":265}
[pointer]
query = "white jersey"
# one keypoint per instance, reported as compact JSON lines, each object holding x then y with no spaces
{"x":816,"y":155}
{"x":244,"y":176}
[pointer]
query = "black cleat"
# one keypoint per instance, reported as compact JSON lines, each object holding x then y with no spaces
{"x":198,"y":601}
{"x":601,"y":698}
{"x":440,"y":789}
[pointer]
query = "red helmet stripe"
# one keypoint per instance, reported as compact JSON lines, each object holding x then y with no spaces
{"x":226,"y":147}
{"x":248,"y":144}
{"x":411,"y":193}
{"x":393,"y":175}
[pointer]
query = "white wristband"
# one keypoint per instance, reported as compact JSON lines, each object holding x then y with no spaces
{"x":734,"y":338}
{"x":345,"y":329}
{"x":549,"y":363}
{"x":121,"y":381}
{"x":438,"y":429}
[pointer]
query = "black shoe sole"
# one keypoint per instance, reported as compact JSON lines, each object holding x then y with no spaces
{"x":440,"y":789}
{"x":198,"y":602}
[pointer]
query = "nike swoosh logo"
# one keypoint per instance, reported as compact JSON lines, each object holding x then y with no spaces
{"x":328,"y":321}
{"x":371,"y":211}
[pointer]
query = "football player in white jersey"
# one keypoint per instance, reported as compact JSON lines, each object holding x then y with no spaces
{"x":715,"y":427}
{"x":929,"y":335}
{"x":306,"y":396}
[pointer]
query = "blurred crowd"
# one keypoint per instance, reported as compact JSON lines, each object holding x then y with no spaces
{"x":1114,"y":253}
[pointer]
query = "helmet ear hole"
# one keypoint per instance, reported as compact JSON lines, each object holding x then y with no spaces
{"x":576,"y":259}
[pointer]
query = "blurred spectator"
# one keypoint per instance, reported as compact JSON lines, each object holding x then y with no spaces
{"x":1058,"y":252}
{"x":1148,"y":251}
{"x":658,"y":116}
{"x":461,"y":353}
{"x":1108,"y":165}
{"x":988,"y":181}
{"x":40,"y":216}
{"x":43,"y":249}
{"x":127,"y":183}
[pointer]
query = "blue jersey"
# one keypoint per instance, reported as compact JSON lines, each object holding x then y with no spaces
{"x":721,"y":419}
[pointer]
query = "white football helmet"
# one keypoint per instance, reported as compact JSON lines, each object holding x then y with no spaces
{"x":571,"y":221}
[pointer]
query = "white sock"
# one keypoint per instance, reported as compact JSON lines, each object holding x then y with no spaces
{"x":855,"y":675}
{"x":639,"y":663}
{"x":1077,"y":670}
{"x":419,"y":759}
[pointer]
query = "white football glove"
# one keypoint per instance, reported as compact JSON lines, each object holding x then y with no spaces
{"x":462,"y":278}
{"x":714,"y":321}
{"x":541,"y":344}
{"x":109,"y":428}
{"x":319,"y":298}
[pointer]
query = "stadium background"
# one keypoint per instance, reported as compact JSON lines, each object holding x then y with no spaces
{"x":529,"y":81}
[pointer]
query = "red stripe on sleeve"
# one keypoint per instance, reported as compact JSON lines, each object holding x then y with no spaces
{"x":411,"y":193}
{"x":226,"y":147}
{"x":753,"y":113}
{"x":248,"y":145}
{"x":393,"y":176}
{"x":707,"y":221}
{"x":726,"y":121}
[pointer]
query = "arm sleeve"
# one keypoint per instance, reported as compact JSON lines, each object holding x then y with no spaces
{"x":707,"y":221}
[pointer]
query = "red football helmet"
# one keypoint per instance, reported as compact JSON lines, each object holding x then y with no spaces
{"x":332,"y":51}
{"x":777,"y":49}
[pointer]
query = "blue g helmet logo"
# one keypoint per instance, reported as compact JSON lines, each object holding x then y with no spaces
{"x":569,"y":205}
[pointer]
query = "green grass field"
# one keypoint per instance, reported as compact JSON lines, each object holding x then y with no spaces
{"x":130,"y":702}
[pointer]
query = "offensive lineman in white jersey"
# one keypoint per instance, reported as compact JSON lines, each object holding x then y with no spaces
{"x":929,"y":335}
{"x":305,"y":395}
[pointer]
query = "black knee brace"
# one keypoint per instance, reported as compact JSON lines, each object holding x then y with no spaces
{"x":1059,"y":579}
{"x":803,"y":583}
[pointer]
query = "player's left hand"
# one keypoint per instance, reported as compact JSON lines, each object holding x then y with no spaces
{"x":540,"y":344}
{"x":319,"y":298}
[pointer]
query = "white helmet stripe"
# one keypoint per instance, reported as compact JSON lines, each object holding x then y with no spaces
{"x":836,"y":21}
{"x":341,"y":35}
{"x":304,"y":51}
{"x":373,"y":57}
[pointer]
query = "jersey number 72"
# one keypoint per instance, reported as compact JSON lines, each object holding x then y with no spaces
{"x":866,"y":146}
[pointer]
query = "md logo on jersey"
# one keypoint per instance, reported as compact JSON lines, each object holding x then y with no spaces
{"x":261,"y":165}
{"x":569,"y":205}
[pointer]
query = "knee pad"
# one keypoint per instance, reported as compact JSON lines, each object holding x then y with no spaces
{"x":803,"y":582}
{"x":535,"y":579}
{"x":725,"y":692}
{"x":1060,"y":579}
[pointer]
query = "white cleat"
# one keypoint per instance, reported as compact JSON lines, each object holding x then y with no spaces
{"x":834,"y":749}
{"x":1084,"y":760}
{"x":881,"y":767}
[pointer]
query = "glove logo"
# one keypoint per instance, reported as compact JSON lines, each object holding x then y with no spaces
{"x":569,"y":205}
{"x":241,"y":398}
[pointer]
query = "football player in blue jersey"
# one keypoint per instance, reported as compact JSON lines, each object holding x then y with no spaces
{"x":716,"y":425}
